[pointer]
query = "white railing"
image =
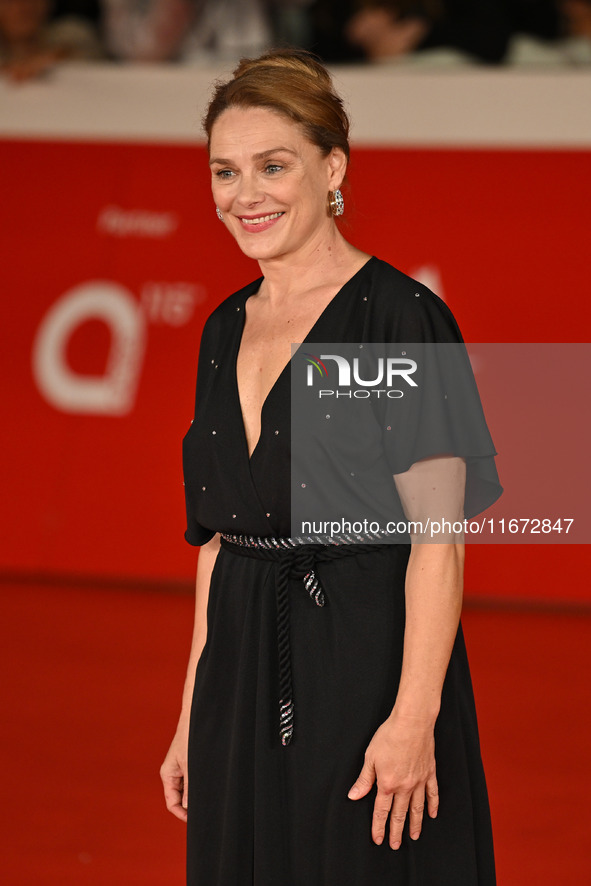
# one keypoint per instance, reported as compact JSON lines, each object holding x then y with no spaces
{"x":163,"y":103}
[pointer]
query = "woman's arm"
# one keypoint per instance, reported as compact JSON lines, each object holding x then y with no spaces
{"x":401,"y":755}
{"x":432,"y":490}
{"x":173,"y":771}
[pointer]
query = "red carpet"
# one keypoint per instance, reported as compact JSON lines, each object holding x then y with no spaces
{"x":90,"y":695}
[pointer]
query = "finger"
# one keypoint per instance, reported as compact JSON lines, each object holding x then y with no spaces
{"x":415,"y":813}
{"x":398,"y":817}
{"x":381,"y":810}
{"x":173,"y":794}
{"x":363,"y":785}
{"x":185,"y":800}
{"x":173,"y":791}
{"x":432,"y":791}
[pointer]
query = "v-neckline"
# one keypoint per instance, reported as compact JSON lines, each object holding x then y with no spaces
{"x":251,"y":291}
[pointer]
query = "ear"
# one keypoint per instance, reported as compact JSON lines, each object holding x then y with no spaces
{"x":337,"y":167}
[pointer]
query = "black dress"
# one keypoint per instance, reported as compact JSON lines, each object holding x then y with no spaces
{"x":261,"y":813}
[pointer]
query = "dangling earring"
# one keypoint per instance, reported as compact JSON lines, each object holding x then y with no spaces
{"x":219,"y":213}
{"x":336,"y":202}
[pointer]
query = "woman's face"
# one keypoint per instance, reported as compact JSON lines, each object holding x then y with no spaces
{"x":271,"y":182}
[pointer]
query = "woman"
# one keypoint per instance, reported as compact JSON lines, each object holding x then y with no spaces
{"x":336,"y":784}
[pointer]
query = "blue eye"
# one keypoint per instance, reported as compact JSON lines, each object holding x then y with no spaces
{"x":272,"y":168}
{"x":224,"y":173}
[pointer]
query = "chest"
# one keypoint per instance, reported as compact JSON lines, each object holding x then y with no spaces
{"x":266,"y":348}
{"x":263,"y":354}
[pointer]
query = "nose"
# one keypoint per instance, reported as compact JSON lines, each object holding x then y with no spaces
{"x":250,"y":192}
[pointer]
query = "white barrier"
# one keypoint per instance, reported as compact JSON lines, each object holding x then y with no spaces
{"x":163,"y":103}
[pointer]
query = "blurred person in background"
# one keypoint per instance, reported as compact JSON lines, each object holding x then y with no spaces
{"x":392,"y":31}
{"x":577,"y":17}
{"x":572,"y":46}
{"x":537,"y":17}
{"x":227,"y":30}
{"x":291,"y":21}
{"x":193,"y":31}
{"x":31,"y":43}
{"x":476,"y":28}
{"x":347,"y":31}
{"x":140,"y":31}
{"x":86,"y":9}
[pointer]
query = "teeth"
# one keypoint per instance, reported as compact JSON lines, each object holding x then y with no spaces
{"x":258,"y":221}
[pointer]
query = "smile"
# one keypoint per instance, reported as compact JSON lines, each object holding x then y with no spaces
{"x":261,"y":219}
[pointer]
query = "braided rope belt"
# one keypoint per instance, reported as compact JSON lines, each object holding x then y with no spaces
{"x":296,"y":558}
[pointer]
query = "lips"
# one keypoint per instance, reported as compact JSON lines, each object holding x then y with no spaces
{"x":259,"y":219}
{"x":260,"y":222}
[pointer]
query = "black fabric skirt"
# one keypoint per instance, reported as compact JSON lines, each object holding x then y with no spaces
{"x":261,"y":814}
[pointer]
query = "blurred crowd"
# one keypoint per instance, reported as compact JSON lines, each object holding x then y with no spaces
{"x":35,"y":35}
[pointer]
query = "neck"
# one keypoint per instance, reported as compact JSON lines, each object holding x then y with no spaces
{"x":322,"y":261}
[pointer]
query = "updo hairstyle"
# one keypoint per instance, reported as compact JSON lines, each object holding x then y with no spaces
{"x":290,"y":82}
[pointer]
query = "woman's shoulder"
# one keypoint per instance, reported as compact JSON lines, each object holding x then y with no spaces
{"x":409,"y":308}
{"x":230,"y":309}
{"x":399,"y":290}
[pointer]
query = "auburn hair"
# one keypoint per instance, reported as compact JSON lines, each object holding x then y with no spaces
{"x":291,"y":82}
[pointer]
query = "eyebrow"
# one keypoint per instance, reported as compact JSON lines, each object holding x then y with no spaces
{"x":260,"y":156}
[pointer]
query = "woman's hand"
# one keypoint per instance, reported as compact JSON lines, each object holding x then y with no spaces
{"x":401,"y":757}
{"x":173,"y":773}
{"x":174,"y":770}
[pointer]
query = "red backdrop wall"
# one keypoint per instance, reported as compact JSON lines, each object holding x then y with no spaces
{"x":498,"y":233}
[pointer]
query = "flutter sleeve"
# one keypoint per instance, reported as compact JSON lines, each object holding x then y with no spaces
{"x":438,"y":410}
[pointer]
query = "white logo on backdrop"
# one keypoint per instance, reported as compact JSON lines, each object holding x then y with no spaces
{"x":114,"y":392}
{"x":118,"y":222}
